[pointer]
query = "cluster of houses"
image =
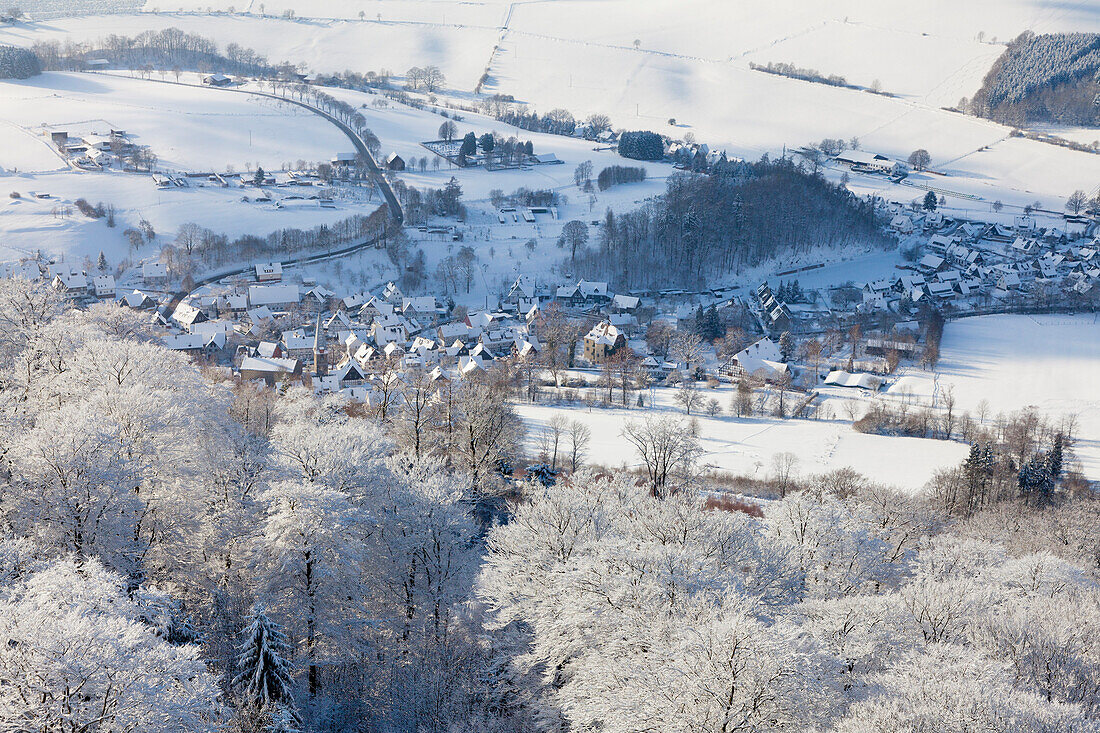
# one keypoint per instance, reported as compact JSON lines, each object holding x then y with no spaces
{"x":970,"y":265}
{"x":91,"y":150}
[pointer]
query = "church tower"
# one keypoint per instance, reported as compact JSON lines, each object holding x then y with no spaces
{"x":320,"y":357}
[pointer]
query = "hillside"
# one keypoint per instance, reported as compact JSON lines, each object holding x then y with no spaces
{"x":647,"y":62}
{"x":1051,"y":78}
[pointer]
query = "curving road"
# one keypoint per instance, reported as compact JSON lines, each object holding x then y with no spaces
{"x":360,"y":147}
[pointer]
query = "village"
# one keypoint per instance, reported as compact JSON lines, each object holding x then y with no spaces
{"x":274,"y":326}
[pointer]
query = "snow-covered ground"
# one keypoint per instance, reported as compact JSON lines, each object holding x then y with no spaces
{"x":1049,"y":362}
{"x":691,"y":63}
{"x":746,"y":446}
{"x":188,"y":128}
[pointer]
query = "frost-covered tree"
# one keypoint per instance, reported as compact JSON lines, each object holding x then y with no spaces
{"x":75,"y":657}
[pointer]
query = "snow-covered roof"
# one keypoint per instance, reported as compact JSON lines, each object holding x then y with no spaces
{"x":272,"y":294}
{"x":842,"y":378}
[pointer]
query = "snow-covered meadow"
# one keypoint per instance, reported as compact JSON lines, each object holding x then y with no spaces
{"x":189,"y":128}
{"x":748,"y":446}
{"x":644,"y":62}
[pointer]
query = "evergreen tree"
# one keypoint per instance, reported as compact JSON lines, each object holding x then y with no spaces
{"x":258,"y":179}
{"x":263,"y":674}
{"x":469,"y":144}
{"x":101,"y":263}
{"x":930,"y":201}
{"x":786,"y":345}
{"x":1055,"y":458}
{"x":487,"y":142}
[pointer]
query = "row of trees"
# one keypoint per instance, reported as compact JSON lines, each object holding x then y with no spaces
{"x":196,"y":247}
{"x":170,"y":48}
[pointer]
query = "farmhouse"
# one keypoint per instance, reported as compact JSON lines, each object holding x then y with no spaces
{"x":104,"y":286}
{"x":72,"y":283}
{"x":762,"y":359}
{"x":216,"y":80}
{"x":863,"y":159}
{"x":394,"y":162}
{"x":154,"y":273}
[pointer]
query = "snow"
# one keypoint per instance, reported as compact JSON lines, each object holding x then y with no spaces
{"x":692,"y":64}
{"x":746,"y":446}
{"x":188,"y":127}
{"x":1048,"y":362}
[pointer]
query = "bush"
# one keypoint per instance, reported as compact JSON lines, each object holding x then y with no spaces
{"x":15,"y":195}
{"x":92,"y":212}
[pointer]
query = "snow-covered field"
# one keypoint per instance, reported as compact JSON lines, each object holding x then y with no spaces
{"x":189,"y":128}
{"x":746,"y":446}
{"x":1048,"y":362}
{"x":691,"y":63}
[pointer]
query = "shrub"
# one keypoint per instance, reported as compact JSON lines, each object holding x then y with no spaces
{"x":92,"y":212}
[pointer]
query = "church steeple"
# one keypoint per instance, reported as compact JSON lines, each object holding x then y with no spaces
{"x":320,"y":357}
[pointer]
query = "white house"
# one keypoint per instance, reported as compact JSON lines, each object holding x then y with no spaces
{"x":154,"y":273}
{"x":269,"y":272}
{"x":104,"y":286}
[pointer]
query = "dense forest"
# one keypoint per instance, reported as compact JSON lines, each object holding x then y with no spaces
{"x":1043,"y":78}
{"x":705,"y":226}
{"x":18,"y":63}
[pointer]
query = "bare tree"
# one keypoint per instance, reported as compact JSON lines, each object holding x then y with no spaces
{"x":919,"y":159}
{"x":418,"y":410}
{"x":579,"y":437}
{"x":667,"y":450}
{"x":686,"y":347}
{"x":1076,"y":202}
{"x":447,"y":131}
{"x":688,"y":396}
{"x":556,"y":428}
{"x":783,"y":470}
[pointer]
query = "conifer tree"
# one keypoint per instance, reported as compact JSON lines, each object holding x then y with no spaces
{"x":263,"y":674}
